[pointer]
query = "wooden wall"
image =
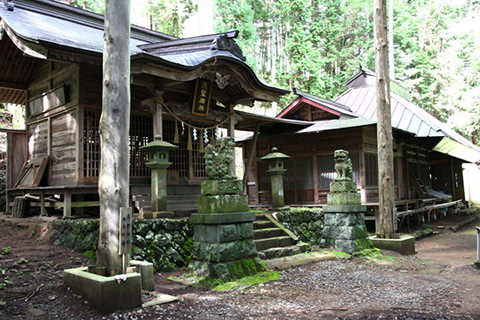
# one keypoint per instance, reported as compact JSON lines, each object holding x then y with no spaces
{"x":52,"y":119}
{"x":361,"y":144}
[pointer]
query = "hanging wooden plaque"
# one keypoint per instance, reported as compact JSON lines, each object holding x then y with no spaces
{"x":201,"y":97}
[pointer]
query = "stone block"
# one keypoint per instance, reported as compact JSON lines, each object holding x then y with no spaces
{"x":221,"y":186}
{"x":222,"y":203}
{"x":343,"y":186}
{"x":223,"y":233}
{"x":344,"y":219}
{"x":404,"y":244}
{"x":106,"y":294}
{"x":349,"y":198}
{"x":222,"y":218}
{"x":344,"y":208}
{"x":224,"y":252}
{"x":145,"y":269}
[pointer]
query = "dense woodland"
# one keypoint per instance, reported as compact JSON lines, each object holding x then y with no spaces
{"x":315,"y":45}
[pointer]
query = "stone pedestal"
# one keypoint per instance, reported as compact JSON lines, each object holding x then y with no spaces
{"x":344,"y":222}
{"x":223,"y":246}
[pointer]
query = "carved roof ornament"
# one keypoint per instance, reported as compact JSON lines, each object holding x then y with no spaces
{"x":222,"y":80}
{"x":9,"y":4}
{"x":226,"y":43}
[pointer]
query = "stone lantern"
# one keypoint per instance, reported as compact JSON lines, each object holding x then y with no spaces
{"x":276,"y":169}
{"x":157,"y":152}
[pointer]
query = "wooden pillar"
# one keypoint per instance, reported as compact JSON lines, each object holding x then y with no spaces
{"x":67,"y":204}
{"x":363,"y":177}
{"x":158,"y":117}
{"x":114,"y":177}
{"x":43,"y":210}
{"x":251,"y":156}
{"x":231,"y":134}
{"x":316,"y":197}
{"x":386,"y":193}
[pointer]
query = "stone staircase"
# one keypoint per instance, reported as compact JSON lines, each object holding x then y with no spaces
{"x":273,"y":240}
{"x":181,"y":200}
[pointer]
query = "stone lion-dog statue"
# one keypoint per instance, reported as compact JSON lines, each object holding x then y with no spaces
{"x":343,"y":165}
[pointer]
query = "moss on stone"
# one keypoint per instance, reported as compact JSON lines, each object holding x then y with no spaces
{"x":248,"y":281}
{"x":476,"y":263}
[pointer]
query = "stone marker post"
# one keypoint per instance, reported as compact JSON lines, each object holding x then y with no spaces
{"x":223,"y":228}
{"x":276,"y":169}
{"x":158,"y":151}
{"x":344,"y":228}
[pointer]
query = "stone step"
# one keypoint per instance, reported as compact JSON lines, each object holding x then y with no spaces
{"x":262,"y":224}
{"x":278,"y":252}
{"x":267,"y":243}
{"x":268,"y":233}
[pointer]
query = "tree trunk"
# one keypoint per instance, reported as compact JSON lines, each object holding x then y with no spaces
{"x":113,"y":181}
{"x":384,"y":124}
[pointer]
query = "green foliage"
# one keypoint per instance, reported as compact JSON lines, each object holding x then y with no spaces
{"x":97,"y":6}
{"x":168,"y":16}
{"x":310,"y":44}
{"x":315,"y":45}
{"x":5,"y":251}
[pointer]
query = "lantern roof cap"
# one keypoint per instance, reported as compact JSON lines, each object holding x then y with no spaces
{"x":158,"y":144}
{"x":275,"y":154}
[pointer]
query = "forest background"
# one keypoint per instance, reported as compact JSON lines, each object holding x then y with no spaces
{"x":316,"y":45}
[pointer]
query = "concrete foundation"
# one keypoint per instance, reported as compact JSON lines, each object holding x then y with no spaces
{"x":146,"y":271}
{"x":106,"y":294}
{"x":404,"y":244}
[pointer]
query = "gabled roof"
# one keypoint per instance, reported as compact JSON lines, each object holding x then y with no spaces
{"x":317,"y":102}
{"x":406,"y":116}
{"x":37,"y":26}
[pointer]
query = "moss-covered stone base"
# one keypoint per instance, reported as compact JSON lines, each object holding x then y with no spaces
{"x":228,"y":270}
{"x":346,"y":232}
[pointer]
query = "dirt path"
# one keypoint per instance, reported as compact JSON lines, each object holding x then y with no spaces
{"x":437,"y":283}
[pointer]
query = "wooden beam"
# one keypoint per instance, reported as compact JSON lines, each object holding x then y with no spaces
{"x":13,"y":86}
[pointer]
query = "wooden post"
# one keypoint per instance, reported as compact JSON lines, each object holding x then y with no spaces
{"x":384,"y":123}
{"x":67,"y":204}
{"x":157,"y":117}
{"x":253,"y":150}
{"x":316,"y":197}
{"x":113,"y":180}
{"x":231,"y":134}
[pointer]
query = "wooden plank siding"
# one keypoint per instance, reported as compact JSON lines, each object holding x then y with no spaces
{"x":53,"y":130}
{"x":309,"y":182}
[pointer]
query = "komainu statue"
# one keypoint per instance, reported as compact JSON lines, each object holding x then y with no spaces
{"x":218,"y":159}
{"x":343,"y":165}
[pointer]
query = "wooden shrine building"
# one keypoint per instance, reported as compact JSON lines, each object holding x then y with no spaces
{"x":428,"y":156}
{"x":184,"y":89}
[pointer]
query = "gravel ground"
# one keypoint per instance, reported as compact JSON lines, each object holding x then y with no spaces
{"x":425,"y":286}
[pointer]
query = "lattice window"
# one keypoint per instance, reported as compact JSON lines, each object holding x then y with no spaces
{"x":264,"y":183}
{"x":182,"y":159}
{"x":179,"y":156}
{"x":299,"y":174}
{"x":371,"y":169}
{"x":91,"y":143}
{"x":141,"y":132}
{"x":326,"y":170}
